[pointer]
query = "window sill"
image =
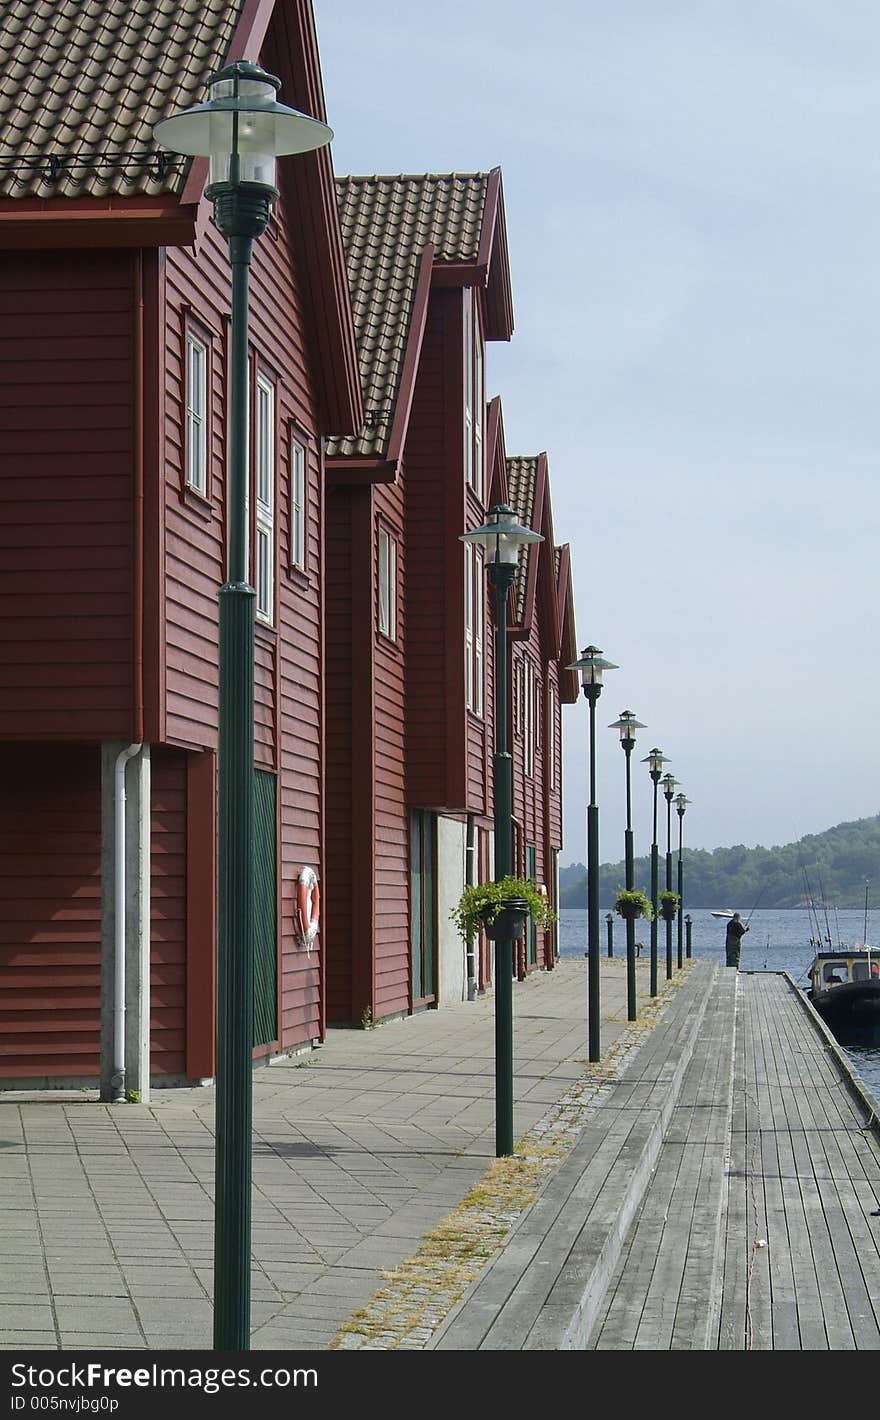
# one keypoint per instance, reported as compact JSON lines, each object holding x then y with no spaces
{"x":199,"y":502}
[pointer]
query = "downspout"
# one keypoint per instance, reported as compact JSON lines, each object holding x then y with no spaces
{"x":117,"y":1079}
{"x":469,"y":879}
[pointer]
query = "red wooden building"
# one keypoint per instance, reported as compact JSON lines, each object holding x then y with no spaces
{"x":409,"y":645}
{"x":114,"y":328}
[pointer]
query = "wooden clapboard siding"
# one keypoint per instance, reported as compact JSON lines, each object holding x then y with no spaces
{"x":553,"y":795}
{"x":66,"y":436}
{"x":288,"y":670}
{"x":337,"y":905}
{"x":297,"y":671}
{"x":168,"y":912}
{"x":435,"y":590}
{"x":390,"y":890}
{"x":50,"y":911}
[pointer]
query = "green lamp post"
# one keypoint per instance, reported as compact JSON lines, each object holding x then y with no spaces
{"x":241,"y":129}
{"x":668,"y":788}
{"x":688,"y":924}
{"x":655,"y":762}
{"x":681,"y":804}
{"x":502,"y":537}
{"x":627,"y":725}
{"x":592,"y":666}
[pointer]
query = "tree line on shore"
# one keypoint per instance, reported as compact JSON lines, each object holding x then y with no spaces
{"x":830,"y":868}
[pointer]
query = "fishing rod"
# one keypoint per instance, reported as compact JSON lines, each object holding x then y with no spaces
{"x":812,"y":912}
{"x":757,"y":900}
{"x":865,"y":931}
{"x":824,"y":907}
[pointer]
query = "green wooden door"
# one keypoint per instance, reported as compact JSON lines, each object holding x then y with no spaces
{"x":531,"y":929}
{"x":423,"y":900}
{"x":265,"y":920}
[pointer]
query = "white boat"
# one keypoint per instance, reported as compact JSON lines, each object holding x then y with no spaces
{"x":725,"y":913}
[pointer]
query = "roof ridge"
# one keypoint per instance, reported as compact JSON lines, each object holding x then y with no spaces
{"x":413,"y":177}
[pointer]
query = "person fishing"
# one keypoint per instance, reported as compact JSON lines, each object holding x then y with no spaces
{"x":733,"y":939}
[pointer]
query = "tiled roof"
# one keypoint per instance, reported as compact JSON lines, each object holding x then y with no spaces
{"x":386,"y":224}
{"x":521,"y":476}
{"x":88,"y":79}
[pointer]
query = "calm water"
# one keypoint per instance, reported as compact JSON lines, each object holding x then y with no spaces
{"x":776,"y":941}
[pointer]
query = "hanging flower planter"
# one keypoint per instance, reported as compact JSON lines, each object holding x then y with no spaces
{"x":507,"y":923}
{"x":631,"y":904}
{"x":669,"y":905}
{"x":500,"y":909}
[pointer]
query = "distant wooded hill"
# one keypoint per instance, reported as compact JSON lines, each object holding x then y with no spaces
{"x":830,"y":868}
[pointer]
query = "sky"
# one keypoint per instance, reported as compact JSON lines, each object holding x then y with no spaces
{"x":692,"y":193}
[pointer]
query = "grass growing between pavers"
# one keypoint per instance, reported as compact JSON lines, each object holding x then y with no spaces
{"x":420,"y":1293}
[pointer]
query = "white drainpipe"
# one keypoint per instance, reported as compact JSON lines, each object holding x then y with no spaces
{"x":117,"y":1080}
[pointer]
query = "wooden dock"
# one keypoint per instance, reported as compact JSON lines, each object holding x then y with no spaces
{"x":725,"y":1197}
{"x":761,"y":1227}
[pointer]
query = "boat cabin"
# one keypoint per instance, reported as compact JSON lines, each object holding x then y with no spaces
{"x":830,"y":969}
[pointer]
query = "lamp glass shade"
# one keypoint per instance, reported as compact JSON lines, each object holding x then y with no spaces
{"x":591,"y":666}
{"x":668,"y":785}
{"x":627,"y":725}
{"x":242,"y":129}
{"x":655,"y":761}
{"x":501,"y":534}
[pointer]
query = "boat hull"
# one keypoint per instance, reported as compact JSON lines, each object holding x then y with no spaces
{"x":853,"y":1005}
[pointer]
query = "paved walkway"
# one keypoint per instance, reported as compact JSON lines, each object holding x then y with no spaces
{"x":377,"y":1200}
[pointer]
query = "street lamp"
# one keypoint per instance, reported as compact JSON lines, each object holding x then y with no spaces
{"x":502,"y":537}
{"x":242,"y":129}
{"x":655,"y":762}
{"x":591,"y":666}
{"x":681,"y":804}
{"x":668,"y":786}
{"x":627,"y":725}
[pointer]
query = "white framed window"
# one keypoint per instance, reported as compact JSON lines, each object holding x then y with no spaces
{"x":552,"y":711}
{"x":479,"y":619}
{"x":297,"y":504}
{"x":517,"y":699}
{"x":474,"y":627}
{"x":264,"y":479}
{"x":474,"y":396}
{"x":387,"y":584}
{"x":469,"y":387}
{"x":196,"y":413}
{"x":479,"y":407}
{"x":528,"y":700}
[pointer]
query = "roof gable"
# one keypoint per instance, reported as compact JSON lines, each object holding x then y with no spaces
{"x":393,"y":229}
{"x":84,"y":81}
{"x":537,"y":578}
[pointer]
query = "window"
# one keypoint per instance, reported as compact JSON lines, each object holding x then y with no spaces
{"x":196,"y":414}
{"x":474,"y":621}
{"x":469,"y":625}
{"x":474,"y":396}
{"x":518,"y":699}
{"x":297,"y":505}
{"x":265,"y":490}
{"x":387,"y":584}
{"x":551,"y":735}
{"x":478,"y":631}
{"x":528,"y":704}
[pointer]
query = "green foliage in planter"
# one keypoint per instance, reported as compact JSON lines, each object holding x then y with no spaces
{"x":669,"y":900}
{"x":481,"y":902}
{"x":630,"y":900}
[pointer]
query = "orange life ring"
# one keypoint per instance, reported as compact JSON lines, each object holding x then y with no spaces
{"x":308,"y":906}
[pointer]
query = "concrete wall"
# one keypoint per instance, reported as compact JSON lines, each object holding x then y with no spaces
{"x":452,"y":974}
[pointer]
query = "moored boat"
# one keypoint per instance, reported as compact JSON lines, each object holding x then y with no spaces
{"x":845,"y":989}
